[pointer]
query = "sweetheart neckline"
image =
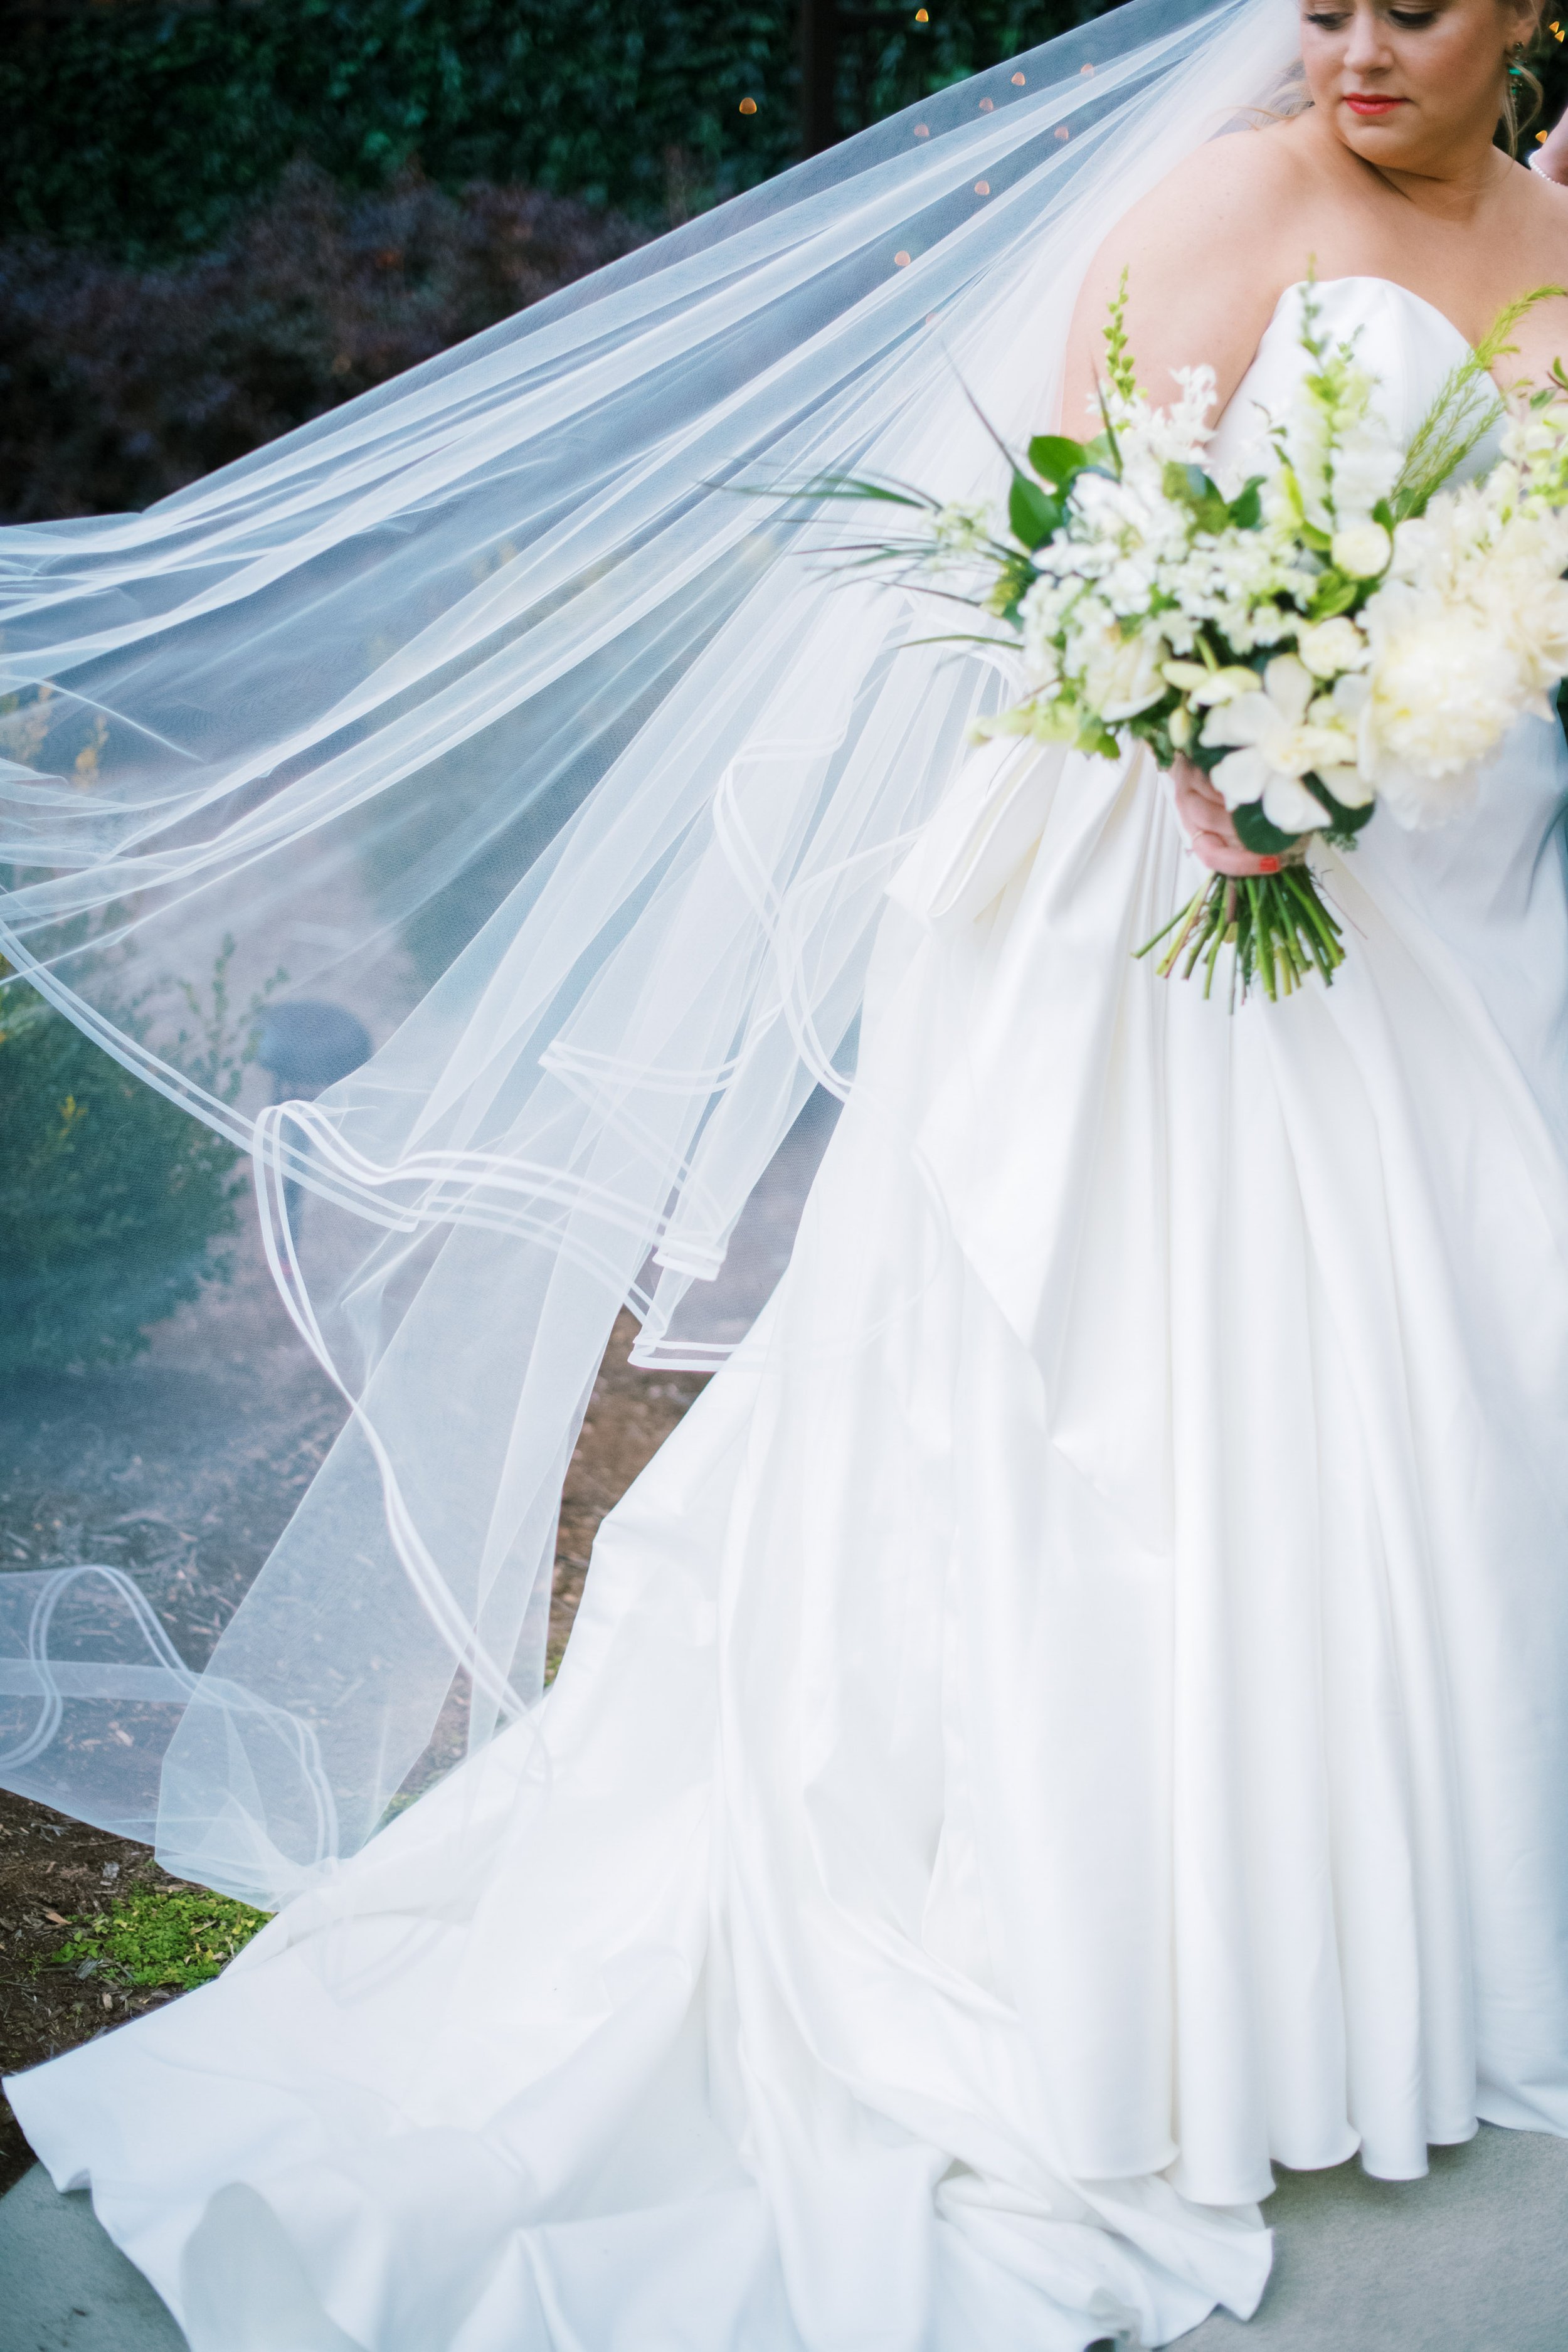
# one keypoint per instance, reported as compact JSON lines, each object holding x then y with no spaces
{"x":1367,"y":278}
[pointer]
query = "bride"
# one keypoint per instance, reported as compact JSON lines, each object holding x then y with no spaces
{"x":1079,"y":1710}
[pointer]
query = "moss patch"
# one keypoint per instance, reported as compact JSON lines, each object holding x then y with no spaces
{"x":151,"y":1937}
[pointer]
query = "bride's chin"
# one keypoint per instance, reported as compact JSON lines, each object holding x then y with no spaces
{"x":1387,"y":141}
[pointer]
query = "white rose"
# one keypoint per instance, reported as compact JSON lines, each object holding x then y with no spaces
{"x":1362,"y":549}
{"x":1330,"y":646}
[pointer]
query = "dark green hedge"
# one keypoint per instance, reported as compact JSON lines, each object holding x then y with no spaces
{"x":138,"y":128}
{"x":110,"y":1198}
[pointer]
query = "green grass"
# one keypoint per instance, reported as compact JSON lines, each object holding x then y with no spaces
{"x":154,"y":1938}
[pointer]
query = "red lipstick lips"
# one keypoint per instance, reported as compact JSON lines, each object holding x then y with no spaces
{"x":1370,"y":106}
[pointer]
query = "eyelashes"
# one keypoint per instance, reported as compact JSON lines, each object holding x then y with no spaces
{"x":1409,"y":20}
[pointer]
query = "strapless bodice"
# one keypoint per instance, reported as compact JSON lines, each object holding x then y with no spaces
{"x":1408,"y":344}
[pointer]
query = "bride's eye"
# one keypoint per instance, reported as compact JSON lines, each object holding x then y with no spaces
{"x":1412,"y":17}
{"x":1327,"y":20}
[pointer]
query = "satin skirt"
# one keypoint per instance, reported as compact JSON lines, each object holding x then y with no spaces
{"x":1077,"y":1712}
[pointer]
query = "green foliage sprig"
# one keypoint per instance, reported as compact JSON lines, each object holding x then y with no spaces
{"x":1467,"y":406}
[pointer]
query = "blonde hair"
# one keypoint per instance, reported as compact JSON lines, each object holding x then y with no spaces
{"x":1522,"y":97}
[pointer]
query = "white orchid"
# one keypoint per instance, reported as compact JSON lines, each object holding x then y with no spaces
{"x":1281,"y":732}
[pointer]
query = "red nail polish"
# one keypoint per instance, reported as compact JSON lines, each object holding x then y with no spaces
{"x":1269,"y":865}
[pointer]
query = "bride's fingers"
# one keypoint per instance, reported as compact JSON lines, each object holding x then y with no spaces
{"x":1223,"y":853}
{"x":1198,"y":806}
{"x":1211,"y":834}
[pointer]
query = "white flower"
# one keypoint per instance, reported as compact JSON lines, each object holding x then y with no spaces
{"x":1518,"y":587}
{"x":1348,"y":785}
{"x":1041,"y":620}
{"x":1342,"y":455}
{"x":1366,"y":466}
{"x":1443,"y":690}
{"x":1329,"y":647}
{"x":1122,"y":675}
{"x":1204,"y":686}
{"x":1280,"y":735}
{"x":959,"y":530}
{"x":1361,"y":550}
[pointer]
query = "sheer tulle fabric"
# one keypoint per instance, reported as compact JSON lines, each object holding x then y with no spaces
{"x":490,"y":707}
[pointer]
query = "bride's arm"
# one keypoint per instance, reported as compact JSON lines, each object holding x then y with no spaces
{"x":1206,"y":254}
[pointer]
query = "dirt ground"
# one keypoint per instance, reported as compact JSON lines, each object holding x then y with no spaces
{"x":73,"y":1462}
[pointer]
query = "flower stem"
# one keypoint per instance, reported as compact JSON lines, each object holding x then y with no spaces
{"x":1277,"y":927}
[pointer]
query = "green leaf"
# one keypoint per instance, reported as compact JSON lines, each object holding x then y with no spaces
{"x":1255,"y":831}
{"x":1095,"y":737}
{"x":1333,"y":593}
{"x":1192,"y":487}
{"x":1246,"y":509}
{"x":1057,"y":459}
{"x":1032,"y":512}
{"x":1346,"y":820}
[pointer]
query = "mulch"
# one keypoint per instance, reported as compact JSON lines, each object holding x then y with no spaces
{"x":53,"y":1869}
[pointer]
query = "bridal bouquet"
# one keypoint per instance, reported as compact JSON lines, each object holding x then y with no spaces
{"x":1342,"y":630}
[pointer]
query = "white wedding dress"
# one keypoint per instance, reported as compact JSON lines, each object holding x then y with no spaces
{"x":1078,"y":1709}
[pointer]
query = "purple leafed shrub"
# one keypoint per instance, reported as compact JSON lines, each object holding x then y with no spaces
{"x":118,"y":386}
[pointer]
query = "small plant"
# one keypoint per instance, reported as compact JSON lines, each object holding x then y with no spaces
{"x":155,"y":1937}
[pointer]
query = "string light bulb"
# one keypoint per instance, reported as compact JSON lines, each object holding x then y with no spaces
{"x":923,"y":16}
{"x":747,"y":106}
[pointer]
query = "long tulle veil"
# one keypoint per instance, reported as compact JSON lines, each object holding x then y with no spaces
{"x":490,"y":706}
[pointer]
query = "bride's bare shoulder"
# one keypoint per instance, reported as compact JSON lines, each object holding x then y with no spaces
{"x":1204,"y":255}
{"x":1219,"y":202}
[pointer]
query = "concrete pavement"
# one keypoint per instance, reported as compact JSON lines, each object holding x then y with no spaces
{"x":1473,"y":2259}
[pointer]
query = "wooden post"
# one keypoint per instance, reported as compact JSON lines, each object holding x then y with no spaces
{"x":818,"y":75}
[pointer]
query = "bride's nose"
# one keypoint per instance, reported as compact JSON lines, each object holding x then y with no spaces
{"x":1367,"y":46}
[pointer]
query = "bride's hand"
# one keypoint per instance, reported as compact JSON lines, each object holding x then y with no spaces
{"x":1206,"y":822}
